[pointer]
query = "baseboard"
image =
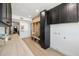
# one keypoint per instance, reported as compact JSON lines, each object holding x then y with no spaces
{"x":27,"y":37}
{"x":58,"y":52}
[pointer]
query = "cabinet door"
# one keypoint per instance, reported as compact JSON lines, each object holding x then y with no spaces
{"x":44,"y":30}
{"x":78,"y":11}
{"x":63,"y":13}
{"x":72,"y":12}
{"x":55,"y":15}
{"x":0,"y":11}
{"x":68,"y":12}
{"x":4,"y":12}
{"x":9,"y":14}
{"x":49,"y":19}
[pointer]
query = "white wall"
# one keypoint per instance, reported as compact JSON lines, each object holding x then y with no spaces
{"x":26,"y":23}
{"x":65,"y":38}
{"x":25,"y":29}
{"x":2,"y":30}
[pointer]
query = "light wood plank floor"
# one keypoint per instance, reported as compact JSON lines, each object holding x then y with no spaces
{"x":38,"y":51}
{"x":15,"y":47}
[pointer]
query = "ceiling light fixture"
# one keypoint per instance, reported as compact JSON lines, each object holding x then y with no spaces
{"x":37,"y":10}
{"x":29,"y":16}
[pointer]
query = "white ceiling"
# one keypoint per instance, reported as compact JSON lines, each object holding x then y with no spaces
{"x":29,"y":9}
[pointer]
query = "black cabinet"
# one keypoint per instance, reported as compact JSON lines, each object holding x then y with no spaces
{"x":55,"y":15}
{"x":44,"y":30}
{"x":5,"y":14}
{"x":63,"y":13}
{"x":49,"y":17}
{"x":72,"y":12}
{"x":0,"y":11}
{"x":78,"y":10}
{"x":9,"y":14}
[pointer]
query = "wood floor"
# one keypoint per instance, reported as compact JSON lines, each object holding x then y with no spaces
{"x":15,"y":47}
{"x":38,"y":51}
{"x":26,"y":47}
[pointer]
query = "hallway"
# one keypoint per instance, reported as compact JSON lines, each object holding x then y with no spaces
{"x":44,"y":29}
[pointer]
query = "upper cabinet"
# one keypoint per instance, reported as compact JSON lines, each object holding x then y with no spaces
{"x":63,"y":13}
{"x":53,"y":16}
{"x":78,"y":11}
{"x":9,"y":14}
{"x":5,"y":14}
{"x":0,"y":12}
{"x":72,"y":12}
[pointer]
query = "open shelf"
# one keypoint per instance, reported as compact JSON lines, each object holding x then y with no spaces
{"x":36,"y":28}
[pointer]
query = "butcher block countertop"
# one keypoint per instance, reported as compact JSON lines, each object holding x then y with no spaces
{"x":15,"y":47}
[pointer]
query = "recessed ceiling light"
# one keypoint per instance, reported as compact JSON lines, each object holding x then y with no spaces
{"x":29,"y":16}
{"x":37,"y":10}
